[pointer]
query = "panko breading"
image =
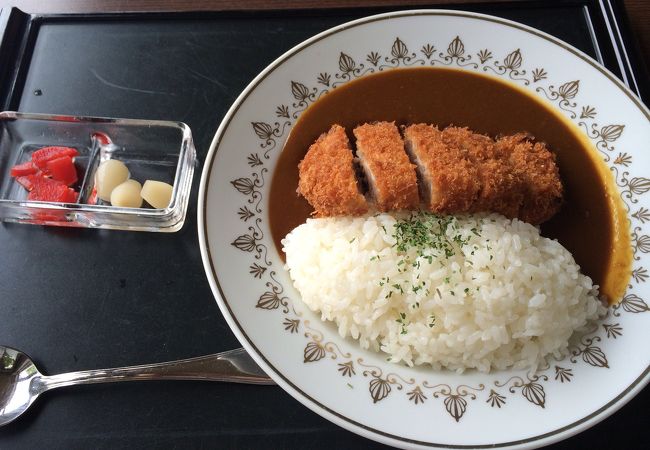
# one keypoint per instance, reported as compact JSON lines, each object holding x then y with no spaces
{"x":327,"y":178}
{"x":501,"y":188}
{"x":448,"y":180}
{"x":391,"y":177}
{"x":536,"y":166}
{"x":473,"y":145}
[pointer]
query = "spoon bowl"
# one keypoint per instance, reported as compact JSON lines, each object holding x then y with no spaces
{"x":17,"y":388}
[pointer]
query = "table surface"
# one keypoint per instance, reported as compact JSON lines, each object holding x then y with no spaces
{"x":638,"y":10}
{"x":152,"y":296}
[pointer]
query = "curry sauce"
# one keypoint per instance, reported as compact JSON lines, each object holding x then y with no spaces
{"x":591,"y":224}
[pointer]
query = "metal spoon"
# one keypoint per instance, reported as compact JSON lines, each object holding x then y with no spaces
{"x":21,"y":382}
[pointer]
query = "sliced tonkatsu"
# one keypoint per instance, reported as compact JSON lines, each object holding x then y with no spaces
{"x":391,"y":177}
{"x":327,"y":178}
{"x":450,"y":171}
{"x":535,"y":164}
{"x":448,"y":179}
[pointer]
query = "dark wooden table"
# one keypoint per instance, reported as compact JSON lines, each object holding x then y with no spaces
{"x":147,"y":415}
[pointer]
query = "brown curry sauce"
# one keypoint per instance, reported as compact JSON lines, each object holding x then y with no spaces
{"x":592,"y":223}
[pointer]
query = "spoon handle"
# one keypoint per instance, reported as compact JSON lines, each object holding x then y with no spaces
{"x":234,"y":366}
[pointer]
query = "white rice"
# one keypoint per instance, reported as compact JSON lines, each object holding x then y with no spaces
{"x":507,"y":297}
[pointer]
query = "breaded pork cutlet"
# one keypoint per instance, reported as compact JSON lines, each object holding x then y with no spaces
{"x":448,"y":180}
{"x":327,"y":178}
{"x":455,"y":171}
{"x":391,"y":177}
{"x":535,"y":164}
{"x":501,"y":188}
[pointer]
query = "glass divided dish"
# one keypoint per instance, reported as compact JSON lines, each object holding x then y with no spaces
{"x":152,"y":150}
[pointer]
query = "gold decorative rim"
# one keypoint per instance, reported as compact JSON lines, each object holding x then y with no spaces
{"x":511,"y":64}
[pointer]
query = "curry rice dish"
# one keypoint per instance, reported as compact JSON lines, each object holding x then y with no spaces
{"x":418,"y":237}
{"x":447,"y":286}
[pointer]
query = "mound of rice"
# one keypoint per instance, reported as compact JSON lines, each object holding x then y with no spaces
{"x":481,"y":292}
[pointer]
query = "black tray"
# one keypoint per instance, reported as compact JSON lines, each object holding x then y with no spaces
{"x":78,"y":299}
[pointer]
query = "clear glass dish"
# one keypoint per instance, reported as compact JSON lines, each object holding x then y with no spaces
{"x":156,"y":150}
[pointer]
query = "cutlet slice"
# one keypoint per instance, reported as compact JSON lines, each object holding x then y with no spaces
{"x":535,"y":164}
{"x":391,"y":177}
{"x":448,"y":180}
{"x":327,"y":178}
{"x":501,"y":189}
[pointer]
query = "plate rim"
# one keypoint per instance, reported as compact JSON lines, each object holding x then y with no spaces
{"x":339,"y":419}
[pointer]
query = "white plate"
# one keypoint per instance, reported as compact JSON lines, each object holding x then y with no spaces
{"x":358,"y":389}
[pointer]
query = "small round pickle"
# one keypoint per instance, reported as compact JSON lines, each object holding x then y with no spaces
{"x":110,"y":174}
{"x":157,"y":193}
{"x":127,"y":195}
